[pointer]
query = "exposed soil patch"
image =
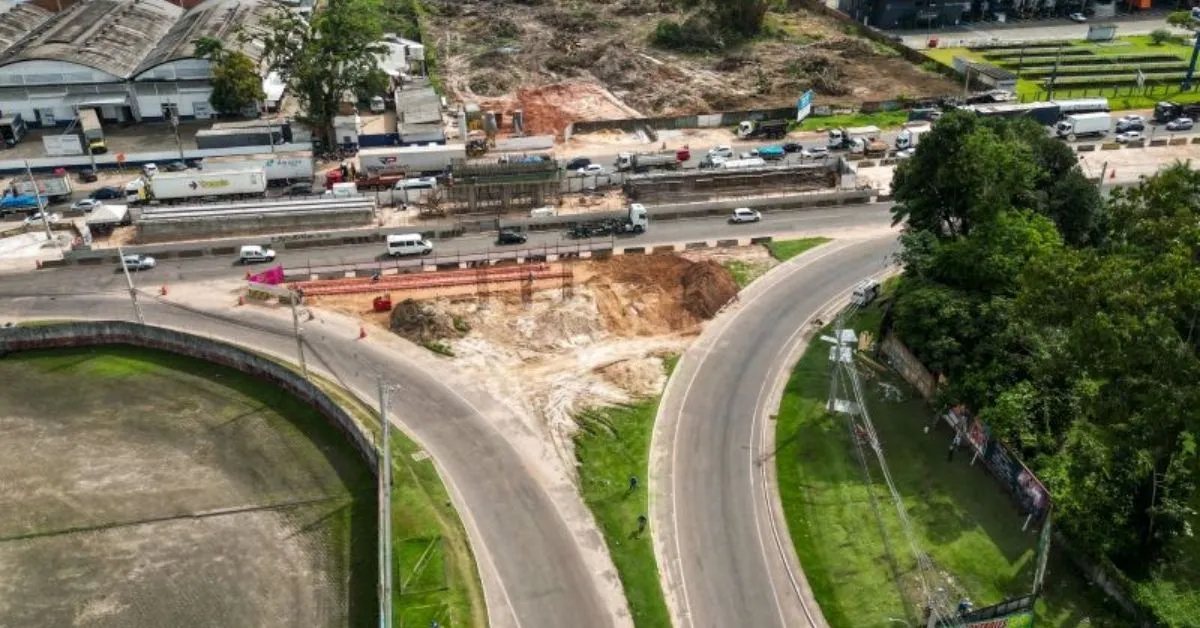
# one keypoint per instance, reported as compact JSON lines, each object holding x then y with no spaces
{"x":573,"y":60}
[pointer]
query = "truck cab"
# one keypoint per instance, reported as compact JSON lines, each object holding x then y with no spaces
{"x":12,"y":130}
{"x":639,"y":218}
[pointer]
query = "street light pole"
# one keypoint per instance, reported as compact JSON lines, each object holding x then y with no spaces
{"x":137,"y":308}
{"x":293,"y":298}
{"x":173,"y":110}
{"x":41,"y":206}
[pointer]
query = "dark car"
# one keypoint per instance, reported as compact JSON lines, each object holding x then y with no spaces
{"x":88,"y":175}
{"x":510,"y":236}
{"x":302,"y":188}
{"x":578,"y":162}
{"x":108,"y":194}
{"x":175,"y":166}
{"x":1124,"y":126}
{"x":792,"y":147}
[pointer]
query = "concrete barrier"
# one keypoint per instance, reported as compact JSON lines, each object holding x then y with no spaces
{"x":1136,"y":144}
{"x":1110,"y":146}
{"x":1196,"y":140}
{"x":762,"y":240}
{"x":83,"y":334}
{"x":1178,"y":141}
{"x":729,"y":243}
{"x":664,"y":248}
{"x":638,"y":250}
{"x":1085,"y":148}
{"x":1158,"y":142}
{"x":690,"y":246}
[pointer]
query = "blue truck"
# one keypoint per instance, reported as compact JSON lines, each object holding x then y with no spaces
{"x":772,"y":153}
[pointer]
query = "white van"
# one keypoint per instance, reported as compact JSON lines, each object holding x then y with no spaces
{"x":252,"y":253}
{"x":865,"y":292}
{"x":408,"y":244}
{"x":413,"y":190}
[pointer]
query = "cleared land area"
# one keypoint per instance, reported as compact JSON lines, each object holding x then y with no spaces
{"x":148,"y":489}
{"x":847,"y":532}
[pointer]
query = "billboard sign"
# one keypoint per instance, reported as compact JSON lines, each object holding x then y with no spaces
{"x":804,"y":106}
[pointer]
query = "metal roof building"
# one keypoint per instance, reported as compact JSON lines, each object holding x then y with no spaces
{"x":130,"y":60}
{"x":18,"y":21}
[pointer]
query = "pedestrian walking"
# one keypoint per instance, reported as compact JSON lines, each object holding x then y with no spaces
{"x":633,"y":483}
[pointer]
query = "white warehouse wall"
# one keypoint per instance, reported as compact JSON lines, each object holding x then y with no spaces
{"x":183,"y":69}
{"x":47,"y":72}
{"x":190,"y":99}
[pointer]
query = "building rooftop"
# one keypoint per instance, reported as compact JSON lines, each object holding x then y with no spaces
{"x":224,"y":20}
{"x":993,"y":72}
{"x":18,"y":21}
{"x":415,"y":105}
{"x":111,"y":36}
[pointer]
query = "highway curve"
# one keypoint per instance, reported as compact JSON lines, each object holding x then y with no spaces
{"x":532,"y":568}
{"x":722,"y":545}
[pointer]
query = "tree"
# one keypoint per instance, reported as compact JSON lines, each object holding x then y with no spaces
{"x":743,"y":18}
{"x":236,"y":83}
{"x":323,"y":59}
{"x":1160,"y":36}
{"x":1182,"y":19}
{"x":209,"y":48}
{"x":375,"y":83}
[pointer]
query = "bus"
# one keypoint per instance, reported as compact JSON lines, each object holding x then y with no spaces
{"x":93,"y":134}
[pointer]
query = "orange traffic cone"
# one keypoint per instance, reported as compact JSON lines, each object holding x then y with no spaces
{"x":163,"y":290}
{"x":362,"y":332}
{"x":241,"y":300}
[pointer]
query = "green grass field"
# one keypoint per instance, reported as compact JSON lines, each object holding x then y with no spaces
{"x":882,"y":119}
{"x":613,"y":443}
{"x":848,"y":534}
{"x":784,"y":250}
{"x":1122,"y":99}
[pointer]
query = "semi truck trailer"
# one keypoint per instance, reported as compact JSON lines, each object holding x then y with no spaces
{"x":169,"y":187}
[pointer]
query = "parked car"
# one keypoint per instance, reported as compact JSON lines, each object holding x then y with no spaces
{"x":1180,"y":124}
{"x":1132,"y":118}
{"x":744,"y":214}
{"x":108,"y":194}
{"x":792,"y":147}
{"x":750,"y":154}
{"x":1128,"y":136}
{"x":592,"y":170}
{"x":175,"y":166}
{"x":252,"y":253}
{"x":1078,"y":17}
{"x":138,"y":262}
{"x":724,"y":152}
{"x":36,"y":217}
{"x":1130,"y":125}
{"x":510,"y":236}
{"x":302,"y":188}
{"x":814,"y":152}
{"x":88,"y":175}
{"x":85,"y":205}
{"x":578,"y":162}
{"x":906,"y":153}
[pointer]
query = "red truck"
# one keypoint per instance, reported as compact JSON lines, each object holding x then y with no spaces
{"x":364,"y":181}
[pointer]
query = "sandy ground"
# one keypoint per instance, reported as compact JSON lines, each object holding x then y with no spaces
{"x":1130,"y":164}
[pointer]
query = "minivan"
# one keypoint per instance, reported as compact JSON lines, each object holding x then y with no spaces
{"x":254,"y":253}
{"x":865,"y":292}
{"x":408,"y":244}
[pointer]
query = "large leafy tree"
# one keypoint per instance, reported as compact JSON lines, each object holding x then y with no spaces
{"x":324,"y":59}
{"x":235,"y":78}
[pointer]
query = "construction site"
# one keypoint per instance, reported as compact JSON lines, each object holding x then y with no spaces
{"x":704,"y":185}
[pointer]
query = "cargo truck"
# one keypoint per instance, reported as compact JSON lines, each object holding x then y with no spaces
{"x":411,"y":160}
{"x":12,"y":130}
{"x":56,"y":187}
{"x":647,"y":161}
{"x":168,"y":187}
{"x":773,"y":129}
{"x":850,"y":138}
{"x":281,"y":169}
{"x":1084,"y":125}
{"x":635,"y":219}
{"x":910,"y":135}
{"x":93,"y":133}
{"x":1167,"y":111}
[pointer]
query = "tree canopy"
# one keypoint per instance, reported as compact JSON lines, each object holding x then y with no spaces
{"x":325,"y":57}
{"x":1069,"y":324}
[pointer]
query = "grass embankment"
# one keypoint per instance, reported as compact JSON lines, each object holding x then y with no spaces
{"x":612,"y":445}
{"x":882,"y":119}
{"x":1120,"y":99}
{"x":434,"y":575}
{"x":847,"y":532}
{"x":784,"y":250}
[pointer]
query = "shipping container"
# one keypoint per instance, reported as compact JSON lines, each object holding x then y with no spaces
{"x":280,"y":168}
{"x":233,"y":138}
{"x":411,"y":160}
{"x":167,"y":186}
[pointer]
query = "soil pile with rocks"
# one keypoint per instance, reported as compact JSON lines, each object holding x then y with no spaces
{"x":707,"y":287}
{"x":422,"y":322}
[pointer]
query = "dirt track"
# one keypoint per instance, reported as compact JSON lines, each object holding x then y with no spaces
{"x":137,"y":495}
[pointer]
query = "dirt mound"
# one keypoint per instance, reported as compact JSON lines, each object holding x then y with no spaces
{"x":422,"y":322}
{"x":707,"y":287}
{"x":641,"y":377}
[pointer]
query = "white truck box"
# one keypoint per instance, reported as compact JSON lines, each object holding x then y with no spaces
{"x":1084,"y":124}
{"x":279,"y":168}
{"x":413,"y":160}
{"x":196,"y":184}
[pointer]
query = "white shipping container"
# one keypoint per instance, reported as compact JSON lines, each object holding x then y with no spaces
{"x":412,"y":160}
{"x":282,"y":167}
{"x":195,"y":184}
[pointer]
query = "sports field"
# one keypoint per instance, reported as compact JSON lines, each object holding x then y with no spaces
{"x":143,"y":488}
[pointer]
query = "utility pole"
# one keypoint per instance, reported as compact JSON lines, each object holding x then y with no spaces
{"x":137,"y":308}
{"x":172,"y":111}
{"x":41,"y":206}
{"x":1103,"y":173}
{"x":293,"y":299}
{"x":1054,"y":74}
{"x":385,"y":512}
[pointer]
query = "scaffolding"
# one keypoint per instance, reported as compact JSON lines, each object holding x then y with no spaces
{"x":706,"y":184}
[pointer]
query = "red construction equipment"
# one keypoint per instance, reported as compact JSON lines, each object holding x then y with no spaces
{"x":422,"y":281}
{"x":382,"y":303}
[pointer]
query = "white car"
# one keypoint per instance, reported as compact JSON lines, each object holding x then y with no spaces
{"x":1132,"y":118}
{"x":1078,"y":17}
{"x":150,"y":170}
{"x":814,"y":152}
{"x":750,"y":154}
{"x":1129,"y":136}
{"x":592,"y":170}
{"x":36,"y":217}
{"x":744,"y":214}
{"x":906,"y":153}
{"x":1180,"y":124}
{"x":138,"y":262}
{"x":86,"y":205}
{"x":724,"y":152}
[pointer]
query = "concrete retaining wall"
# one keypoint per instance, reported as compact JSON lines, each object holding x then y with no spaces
{"x":119,"y":332}
{"x":200,"y":227}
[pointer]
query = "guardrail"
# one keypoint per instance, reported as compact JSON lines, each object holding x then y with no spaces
{"x":367,"y":235}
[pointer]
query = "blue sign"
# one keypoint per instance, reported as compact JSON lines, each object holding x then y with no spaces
{"x":804,"y":106}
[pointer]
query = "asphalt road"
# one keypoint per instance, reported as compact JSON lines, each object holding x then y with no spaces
{"x":71,"y":279}
{"x":531,"y":566}
{"x":723,"y":548}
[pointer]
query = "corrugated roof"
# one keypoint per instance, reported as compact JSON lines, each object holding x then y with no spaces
{"x":219,"y":19}
{"x":112,"y":36}
{"x":19,"y":21}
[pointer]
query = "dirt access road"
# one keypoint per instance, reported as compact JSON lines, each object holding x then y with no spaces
{"x":561,"y":60}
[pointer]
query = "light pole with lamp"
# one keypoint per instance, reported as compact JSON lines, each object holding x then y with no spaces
{"x":37,"y":193}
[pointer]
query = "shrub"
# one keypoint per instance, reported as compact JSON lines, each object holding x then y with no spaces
{"x":1160,"y":36}
{"x":693,"y":35}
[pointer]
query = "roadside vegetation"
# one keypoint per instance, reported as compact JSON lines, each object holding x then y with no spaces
{"x":613,"y":446}
{"x":1068,"y":325}
{"x":846,"y":529}
{"x":784,"y":250}
{"x":434,"y":575}
{"x":882,"y":119}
